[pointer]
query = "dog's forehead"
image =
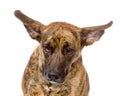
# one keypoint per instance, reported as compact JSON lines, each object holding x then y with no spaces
{"x":61,"y":30}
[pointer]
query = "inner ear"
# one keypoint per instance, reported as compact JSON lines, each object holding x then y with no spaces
{"x":33,"y":27}
{"x":34,"y":34}
{"x":91,"y":34}
{"x":89,"y":38}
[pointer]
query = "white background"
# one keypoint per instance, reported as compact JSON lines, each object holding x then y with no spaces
{"x":102,"y":59}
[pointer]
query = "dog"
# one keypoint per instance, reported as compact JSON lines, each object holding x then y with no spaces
{"x":55,"y":67}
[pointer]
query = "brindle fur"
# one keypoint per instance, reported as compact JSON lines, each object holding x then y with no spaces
{"x":70,"y":77}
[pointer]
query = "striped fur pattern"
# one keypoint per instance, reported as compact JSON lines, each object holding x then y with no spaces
{"x":55,"y":67}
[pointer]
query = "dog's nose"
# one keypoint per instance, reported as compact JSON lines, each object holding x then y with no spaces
{"x":53,"y":77}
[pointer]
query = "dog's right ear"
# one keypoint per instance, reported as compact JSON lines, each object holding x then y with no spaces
{"x":34,"y":28}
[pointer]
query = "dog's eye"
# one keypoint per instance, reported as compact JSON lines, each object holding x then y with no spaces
{"x":67,"y":50}
{"x":47,"y":48}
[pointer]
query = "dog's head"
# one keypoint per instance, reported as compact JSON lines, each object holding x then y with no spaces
{"x":61,"y":44}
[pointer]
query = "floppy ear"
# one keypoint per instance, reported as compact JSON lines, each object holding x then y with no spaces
{"x":91,"y":34}
{"x":34,"y":28}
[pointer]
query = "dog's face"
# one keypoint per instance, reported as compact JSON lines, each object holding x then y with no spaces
{"x":61,"y":44}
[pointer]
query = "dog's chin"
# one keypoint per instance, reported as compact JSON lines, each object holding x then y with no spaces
{"x":53,"y":82}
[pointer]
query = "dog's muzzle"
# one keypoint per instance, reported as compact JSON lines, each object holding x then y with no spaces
{"x":53,"y":76}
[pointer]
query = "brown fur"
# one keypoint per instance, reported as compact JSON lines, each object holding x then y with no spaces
{"x":76,"y":83}
{"x":55,"y":67}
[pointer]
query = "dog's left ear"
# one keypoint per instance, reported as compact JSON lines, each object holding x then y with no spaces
{"x":33,"y":27}
{"x":91,"y":34}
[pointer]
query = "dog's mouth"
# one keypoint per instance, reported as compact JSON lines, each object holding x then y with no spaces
{"x":55,"y":81}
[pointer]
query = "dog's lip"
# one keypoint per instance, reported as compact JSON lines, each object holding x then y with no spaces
{"x":52,"y":82}
{"x":55,"y":83}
